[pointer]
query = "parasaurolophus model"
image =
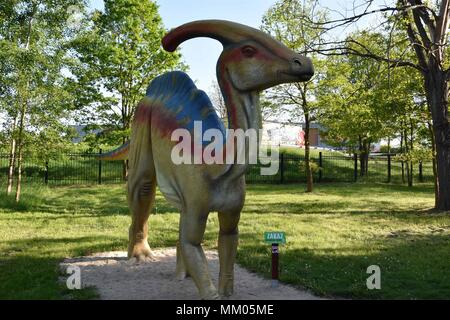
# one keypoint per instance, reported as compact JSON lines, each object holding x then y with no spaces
{"x":251,"y":61}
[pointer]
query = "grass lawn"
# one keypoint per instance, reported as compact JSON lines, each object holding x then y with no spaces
{"x":333,"y":235}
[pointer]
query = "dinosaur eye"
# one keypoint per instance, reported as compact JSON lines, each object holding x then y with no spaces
{"x":248,"y":51}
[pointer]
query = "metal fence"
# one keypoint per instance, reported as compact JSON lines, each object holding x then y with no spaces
{"x":86,"y":168}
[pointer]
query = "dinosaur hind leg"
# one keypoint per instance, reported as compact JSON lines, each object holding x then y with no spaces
{"x":192,"y":229}
{"x":141,"y":195}
{"x":181,"y":271}
{"x":228,"y":242}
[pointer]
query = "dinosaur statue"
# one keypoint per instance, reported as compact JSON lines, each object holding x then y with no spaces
{"x":251,"y":61}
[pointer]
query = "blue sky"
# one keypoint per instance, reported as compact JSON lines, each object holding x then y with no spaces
{"x":201,"y":54}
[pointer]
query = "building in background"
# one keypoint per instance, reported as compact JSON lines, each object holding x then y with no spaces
{"x":292,"y":134}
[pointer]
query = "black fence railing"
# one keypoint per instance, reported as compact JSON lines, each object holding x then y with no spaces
{"x":86,"y":168}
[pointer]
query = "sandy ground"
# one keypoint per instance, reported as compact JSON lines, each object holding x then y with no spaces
{"x":116,"y":277}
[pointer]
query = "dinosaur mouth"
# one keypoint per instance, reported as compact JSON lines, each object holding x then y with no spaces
{"x":296,"y":76}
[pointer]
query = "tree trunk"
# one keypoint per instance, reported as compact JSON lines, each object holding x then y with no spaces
{"x":309,"y":176}
{"x":367,"y":149}
{"x":389,"y":146}
{"x":19,"y":175}
{"x":402,"y":151}
{"x":437,"y":94}
{"x":364,"y":147}
{"x":435,"y":172}
{"x":23,"y":98}
{"x":409,"y":171}
{"x":12,"y":157}
{"x":411,"y":147}
{"x":20,"y":151}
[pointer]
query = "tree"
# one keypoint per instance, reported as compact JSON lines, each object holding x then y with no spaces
{"x":268,"y":108}
{"x":282,"y":21}
{"x":120,"y":54}
{"x":367,"y":100}
{"x":218,"y":102}
{"x":33,"y":35}
{"x":352,"y":114}
{"x":424,"y":26}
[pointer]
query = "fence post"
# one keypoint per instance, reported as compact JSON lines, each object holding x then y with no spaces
{"x":320,"y":166}
{"x":389,"y":168}
{"x":282,"y":168}
{"x":356,"y":167}
{"x":46,"y":172}
{"x":100,"y":168}
{"x":420,"y":171}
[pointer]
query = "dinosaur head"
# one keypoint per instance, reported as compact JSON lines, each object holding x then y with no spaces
{"x":252,"y":60}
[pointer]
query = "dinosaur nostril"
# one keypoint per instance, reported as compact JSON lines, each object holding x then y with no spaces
{"x":298,"y":62}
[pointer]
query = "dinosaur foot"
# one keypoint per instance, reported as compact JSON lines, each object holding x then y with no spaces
{"x":226,"y":286}
{"x":211,"y":294}
{"x":181,"y":275}
{"x":141,"y":252}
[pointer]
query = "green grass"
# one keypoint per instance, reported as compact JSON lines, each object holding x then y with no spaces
{"x":333,"y":235}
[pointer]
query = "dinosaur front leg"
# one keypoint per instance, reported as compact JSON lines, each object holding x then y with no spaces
{"x":228,"y":242}
{"x":181,"y":272}
{"x":141,"y":197}
{"x":192,"y":229}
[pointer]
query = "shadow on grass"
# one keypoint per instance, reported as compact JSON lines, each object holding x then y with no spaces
{"x":344,"y":189}
{"x":412,"y":267}
{"x":279,"y":199}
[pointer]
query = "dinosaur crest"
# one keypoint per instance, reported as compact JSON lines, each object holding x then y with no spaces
{"x":175,"y":98}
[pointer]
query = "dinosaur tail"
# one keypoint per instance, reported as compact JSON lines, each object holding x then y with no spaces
{"x":121,"y":153}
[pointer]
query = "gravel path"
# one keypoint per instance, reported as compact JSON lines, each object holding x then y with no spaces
{"x":116,"y":277}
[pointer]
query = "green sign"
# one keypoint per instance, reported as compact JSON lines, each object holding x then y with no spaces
{"x":275,"y":237}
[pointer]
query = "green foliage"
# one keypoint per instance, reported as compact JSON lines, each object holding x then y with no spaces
{"x":120,"y":54}
{"x":33,"y":56}
{"x":415,"y":155}
{"x":285,"y":21}
{"x":367,"y":100}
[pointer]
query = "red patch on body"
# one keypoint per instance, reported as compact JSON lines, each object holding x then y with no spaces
{"x":164,"y":122}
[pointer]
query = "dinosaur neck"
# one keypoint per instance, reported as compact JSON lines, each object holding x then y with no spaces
{"x":243,"y":113}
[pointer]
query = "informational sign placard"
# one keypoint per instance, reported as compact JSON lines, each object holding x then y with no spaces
{"x":275,"y":237}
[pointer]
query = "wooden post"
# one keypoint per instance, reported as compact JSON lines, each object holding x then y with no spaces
{"x":355,"y":173}
{"x":46,"y":172}
{"x":389,"y":168}
{"x":275,"y":264}
{"x":100,"y":168}
{"x":320,"y":166}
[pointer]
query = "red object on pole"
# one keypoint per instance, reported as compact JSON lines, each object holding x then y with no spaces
{"x":275,"y":272}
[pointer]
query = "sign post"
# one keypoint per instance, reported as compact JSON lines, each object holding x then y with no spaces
{"x":275,"y":238}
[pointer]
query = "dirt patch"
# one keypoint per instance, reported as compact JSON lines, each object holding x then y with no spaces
{"x":116,"y":277}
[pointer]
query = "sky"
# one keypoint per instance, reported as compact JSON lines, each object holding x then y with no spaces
{"x":201,"y":54}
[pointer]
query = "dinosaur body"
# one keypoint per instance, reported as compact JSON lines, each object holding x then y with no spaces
{"x":174,"y":102}
{"x":251,"y":61}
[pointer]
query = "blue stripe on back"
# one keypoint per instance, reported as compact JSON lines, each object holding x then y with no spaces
{"x":179,"y":95}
